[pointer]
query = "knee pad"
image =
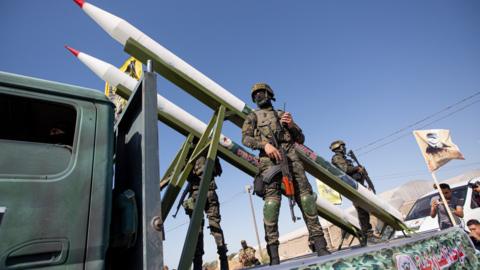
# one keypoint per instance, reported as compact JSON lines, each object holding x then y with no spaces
{"x":270,"y":212}
{"x":309,"y":204}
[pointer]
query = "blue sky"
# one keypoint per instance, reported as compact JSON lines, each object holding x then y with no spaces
{"x":351,"y":70}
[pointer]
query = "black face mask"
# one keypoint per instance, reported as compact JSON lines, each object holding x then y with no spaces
{"x":341,"y":149}
{"x":262,"y":99}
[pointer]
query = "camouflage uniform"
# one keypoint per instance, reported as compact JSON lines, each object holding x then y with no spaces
{"x":346,"y":165}
{"x":256,"y":133}
{"x":212,"y":209}
{"x":247,"y":258}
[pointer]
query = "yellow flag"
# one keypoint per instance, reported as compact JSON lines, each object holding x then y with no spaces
{"x":327,"y":193}
{"x":132,"y":67}
{"x":437,"y":147}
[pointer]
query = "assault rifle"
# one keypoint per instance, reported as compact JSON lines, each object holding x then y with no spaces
{"x":182,"y":199}
{"x":286,"y":175}
{"x":365,"y":173}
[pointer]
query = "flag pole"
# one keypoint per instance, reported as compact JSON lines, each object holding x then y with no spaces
{"x":437,"y":139}
{"x":447,"y":208}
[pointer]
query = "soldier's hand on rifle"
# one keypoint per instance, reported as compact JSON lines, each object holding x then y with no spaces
{"x":287,"y":120}
{"x":272,"y":152}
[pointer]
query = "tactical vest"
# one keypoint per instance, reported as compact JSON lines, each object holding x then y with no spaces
{"x":267,"y":124}
{"x":197,"y":171}
{"x":349,"y":162}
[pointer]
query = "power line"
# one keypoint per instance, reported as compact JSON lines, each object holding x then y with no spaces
{"x":423,"y":126}
{"x":418,"y":172}
{"x":178,"y":226}
{"x":422,"y":171}
{"x":418,"y":122}
{"x":232,"y":197}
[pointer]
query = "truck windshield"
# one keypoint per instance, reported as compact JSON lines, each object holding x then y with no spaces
{"x":421,"y":208}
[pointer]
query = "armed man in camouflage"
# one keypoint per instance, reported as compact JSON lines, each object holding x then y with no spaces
{"x":212,"y":209}
{"x":341,"y":161}
{"x":257,"y":134}
{"x":246,"y":255}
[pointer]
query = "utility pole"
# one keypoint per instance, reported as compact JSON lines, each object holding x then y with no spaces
{"x":248,"y":188}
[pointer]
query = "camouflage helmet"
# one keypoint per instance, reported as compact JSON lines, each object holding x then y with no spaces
{"x":336,"y":144}
{"x":262,"y":86}
{"x":243,"y":242}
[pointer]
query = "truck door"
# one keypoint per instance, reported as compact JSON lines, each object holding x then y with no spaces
{"x":46,"y":153}
{"x":137,"y":174}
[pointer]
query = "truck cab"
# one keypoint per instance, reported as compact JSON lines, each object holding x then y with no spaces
{"x":58,"y":205}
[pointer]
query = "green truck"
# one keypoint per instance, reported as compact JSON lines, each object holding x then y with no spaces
{"x":80,"y":192}
{"x":64,"y":202}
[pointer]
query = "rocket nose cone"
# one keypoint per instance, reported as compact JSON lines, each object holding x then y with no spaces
{"x":79,"y":2}
{"x":72,"y":50}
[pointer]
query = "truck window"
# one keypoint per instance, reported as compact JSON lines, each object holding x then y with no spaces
{"x":421,"y":208}
{"x":36,"y":137}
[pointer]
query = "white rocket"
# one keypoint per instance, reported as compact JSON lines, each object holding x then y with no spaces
{"x":122,"y":31}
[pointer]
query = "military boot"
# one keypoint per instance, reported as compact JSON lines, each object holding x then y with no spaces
{"x":363,"y":240}
{"x":272,"y":251}
{"x":321,"y":246}
{"x":222,"y":254}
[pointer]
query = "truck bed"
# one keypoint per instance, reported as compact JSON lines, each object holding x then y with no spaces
{"x":447,"y":249}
